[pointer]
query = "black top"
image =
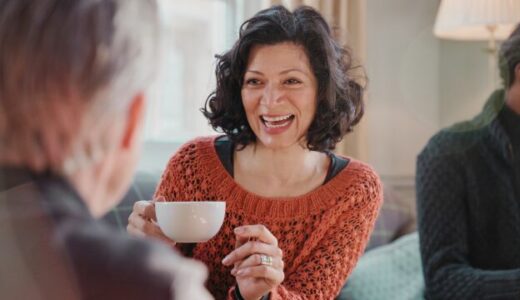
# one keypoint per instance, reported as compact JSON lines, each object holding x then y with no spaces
{"x":225,"y":149}
{"x":52,"y":248}
{"x":468,"y":201}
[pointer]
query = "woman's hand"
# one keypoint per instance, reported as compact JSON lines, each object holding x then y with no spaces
{"x":143,"y":222}
{"x":257,"y":260}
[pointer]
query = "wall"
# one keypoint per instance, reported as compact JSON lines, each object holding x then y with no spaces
{"x":418,"y":85}
{"x":466,"y":80}
{"x":403,"y":98}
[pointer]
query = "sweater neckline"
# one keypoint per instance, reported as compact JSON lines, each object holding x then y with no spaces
{"x":316,"y":200}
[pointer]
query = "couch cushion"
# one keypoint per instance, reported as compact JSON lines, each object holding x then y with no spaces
{"x":393,"y":271}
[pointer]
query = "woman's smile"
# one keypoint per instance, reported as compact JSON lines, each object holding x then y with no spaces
{"x":276,"y":124}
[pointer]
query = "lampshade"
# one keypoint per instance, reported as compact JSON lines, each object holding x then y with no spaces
{"x":472,"y":19}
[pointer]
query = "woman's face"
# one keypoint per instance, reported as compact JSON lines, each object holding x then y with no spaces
{"x":279,"y":94}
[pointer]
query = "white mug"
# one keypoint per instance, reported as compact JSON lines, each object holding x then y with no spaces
{"x":190,"y":221}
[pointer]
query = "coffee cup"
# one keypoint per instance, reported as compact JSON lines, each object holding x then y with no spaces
{"x":190,"y":221}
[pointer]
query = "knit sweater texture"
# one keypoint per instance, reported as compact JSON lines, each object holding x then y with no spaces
{"x":468,"y":193}
{"x":322,"y":233}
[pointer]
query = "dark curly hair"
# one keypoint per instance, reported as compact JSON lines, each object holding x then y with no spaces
{"x":340,"y":104}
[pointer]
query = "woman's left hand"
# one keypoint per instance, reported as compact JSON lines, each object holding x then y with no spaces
{"x":257,"y":260}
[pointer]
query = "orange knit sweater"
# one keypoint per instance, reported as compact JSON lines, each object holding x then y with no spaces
{"x":322,"y":233}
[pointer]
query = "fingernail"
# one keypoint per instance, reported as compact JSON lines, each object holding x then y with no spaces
{"x":226,"y":260}
{"x":239,"y":230}
{"x":240,"y":272}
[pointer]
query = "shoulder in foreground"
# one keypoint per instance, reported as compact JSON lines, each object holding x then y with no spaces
{"x":147,"y":262}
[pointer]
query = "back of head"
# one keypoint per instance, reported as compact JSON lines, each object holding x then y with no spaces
{"x":510,"y":57}
{"x":62,"y":63}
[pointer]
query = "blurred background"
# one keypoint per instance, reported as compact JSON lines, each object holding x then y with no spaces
{"x":418,"y":83}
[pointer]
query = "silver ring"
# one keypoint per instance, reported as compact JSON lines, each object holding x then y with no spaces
{"x":266,"y":260}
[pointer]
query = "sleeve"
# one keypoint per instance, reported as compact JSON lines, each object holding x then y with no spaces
{"x":174,"y":180}
{"x":443,"y":230}
{"x":175,"y":183}
{"x":321,"y":272}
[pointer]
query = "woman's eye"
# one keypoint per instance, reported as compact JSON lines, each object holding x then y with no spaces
{"x":293,"y":81}
{"x":253,"y":81}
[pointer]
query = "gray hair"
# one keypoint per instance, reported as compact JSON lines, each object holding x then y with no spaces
{"x":62,"y":60}
{"x":510,"y":57}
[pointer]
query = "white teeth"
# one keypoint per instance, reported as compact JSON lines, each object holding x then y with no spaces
{"x":269,"y":125}
{"x":276,"y":119}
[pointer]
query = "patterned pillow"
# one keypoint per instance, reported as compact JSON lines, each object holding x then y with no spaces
{"x":396,"y":218}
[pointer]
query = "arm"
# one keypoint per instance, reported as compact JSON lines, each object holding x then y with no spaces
{"x":339,"y":241}
{"x":442,"y":216}
{"x":326,"y":269}
{"x":173,"y":187}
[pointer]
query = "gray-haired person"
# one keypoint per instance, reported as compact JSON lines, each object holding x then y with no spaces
{"x":73,"y":76}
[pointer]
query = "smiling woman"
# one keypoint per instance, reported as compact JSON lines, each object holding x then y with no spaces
{"x":297,"y":216}
{"x":338,"y":97}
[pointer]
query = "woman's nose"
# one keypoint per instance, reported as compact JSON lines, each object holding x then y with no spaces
{"x":272,"y":95}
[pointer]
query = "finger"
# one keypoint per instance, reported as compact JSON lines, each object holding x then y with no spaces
{"x":146,"y":226}
{"x":256,"y":231}
{"x":160,"y":199}
{"x":270,"y":274}
{"x":256,"y":260}
{"x":138,"y":226}
{"x":238,"y":243}
{"x":146,"y":209}
{"x":134,"y":231}
{"x":137,"y":220}
{"x":241,"y":240}
{"x":249,"y":248}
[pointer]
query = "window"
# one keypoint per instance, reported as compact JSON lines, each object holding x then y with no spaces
{"x":193,"y":32}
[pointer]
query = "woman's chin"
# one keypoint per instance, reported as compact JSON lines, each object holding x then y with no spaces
{"x":276,"y":142}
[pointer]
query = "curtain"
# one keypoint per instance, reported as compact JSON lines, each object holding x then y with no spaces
{"x":347,"y":19}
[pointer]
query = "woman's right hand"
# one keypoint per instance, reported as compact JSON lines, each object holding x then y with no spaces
{"x":143,"y":222}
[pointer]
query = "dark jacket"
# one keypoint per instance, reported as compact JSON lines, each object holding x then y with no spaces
{"x":468,"y":201}
{"x":51,"y":248}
